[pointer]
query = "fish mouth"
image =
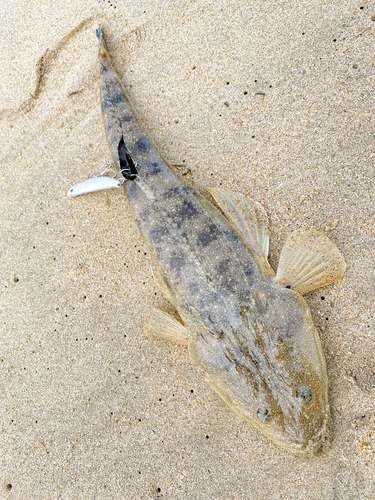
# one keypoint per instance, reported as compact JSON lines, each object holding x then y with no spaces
{"x":320,"y":436}
{"x":316,"y":442}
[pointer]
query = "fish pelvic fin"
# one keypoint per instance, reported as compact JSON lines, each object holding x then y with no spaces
{"x":309,"y":260}
{"x":248,"y":217}
{"x":161,"y":282}
{"x":162,"y":326}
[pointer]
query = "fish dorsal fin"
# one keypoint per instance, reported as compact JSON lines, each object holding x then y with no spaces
{"x":309,"y":260}
{"x":162,"y":326}
{"x":248,"y":216}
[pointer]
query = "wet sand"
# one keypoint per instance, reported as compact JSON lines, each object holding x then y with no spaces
{"x":273,"y":99}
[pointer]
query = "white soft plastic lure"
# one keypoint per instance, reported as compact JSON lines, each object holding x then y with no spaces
{"x":97,"y":183}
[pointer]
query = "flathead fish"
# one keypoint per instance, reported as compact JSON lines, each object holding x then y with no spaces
{"x":248,"y":329}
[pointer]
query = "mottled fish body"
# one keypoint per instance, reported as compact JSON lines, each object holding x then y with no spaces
{"x":249,"y":331}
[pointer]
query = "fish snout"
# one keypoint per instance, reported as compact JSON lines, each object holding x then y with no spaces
{"x":310,"y":445}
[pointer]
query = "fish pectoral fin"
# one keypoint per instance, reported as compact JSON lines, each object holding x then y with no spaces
{"x":309,"y":260}
{"x":162,"y":326}
{"x":248,"y":216}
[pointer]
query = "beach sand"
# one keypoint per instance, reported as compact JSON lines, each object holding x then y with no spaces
{"x":272,"y":99}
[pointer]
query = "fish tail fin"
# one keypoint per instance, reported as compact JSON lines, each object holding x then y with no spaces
{"x":131,"y":149}
{"x":103,"y":53}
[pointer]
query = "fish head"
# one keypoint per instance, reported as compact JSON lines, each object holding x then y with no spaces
{"x":268,"y":366}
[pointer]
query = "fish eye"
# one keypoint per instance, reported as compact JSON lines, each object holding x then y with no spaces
{"x":264,"y":414}
{"x":306,"y":395}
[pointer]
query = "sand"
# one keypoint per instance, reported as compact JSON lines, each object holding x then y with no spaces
{"x":273,"y":99}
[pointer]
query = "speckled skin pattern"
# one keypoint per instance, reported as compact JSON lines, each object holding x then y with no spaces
{"x":255,"y":341}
